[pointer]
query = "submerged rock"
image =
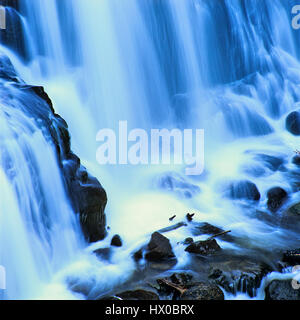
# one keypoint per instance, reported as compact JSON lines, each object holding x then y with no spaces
{"x":178,"y":184}
{"x":292,"y":123}
{"x":207,"y":247}
{"x":291,"y":217}
{"x":276,"y":197}
{"x":159,"y":248}
{"x":243,"y":189}
{"x":296,"y":160}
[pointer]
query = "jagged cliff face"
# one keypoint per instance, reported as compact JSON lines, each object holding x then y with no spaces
{"x":87,"y":197}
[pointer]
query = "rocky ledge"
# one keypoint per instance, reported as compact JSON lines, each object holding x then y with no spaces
{"x":87,"y":196}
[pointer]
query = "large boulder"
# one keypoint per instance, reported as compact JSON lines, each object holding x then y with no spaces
{"x":292,"y":123}
{"x":159,"y":248}
{"x":243,"y":189}
{"x":276,"y":197}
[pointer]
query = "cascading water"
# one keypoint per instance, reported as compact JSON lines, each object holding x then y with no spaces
{"x":37,"y":225}
{"x":230,"y":67}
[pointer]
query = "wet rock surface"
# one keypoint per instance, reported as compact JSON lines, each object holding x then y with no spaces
{"x":207,"y":247}
{"x":281,"y":290}
{"x":244,"y":189}
{"x":276,"y":197}
{"x":203,"y":291}
{"x":292,"y":123}
{"x":239,"y":274}
{"x":159,"y":248}
{"x":116,"y":241}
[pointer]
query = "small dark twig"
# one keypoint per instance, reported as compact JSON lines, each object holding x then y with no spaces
{"x":179,"y":288}
{"x":190,"y":217}
{"x":218,"y":234}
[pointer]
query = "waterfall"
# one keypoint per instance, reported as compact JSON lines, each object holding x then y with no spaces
{"x":228,"y":67}
{"x":39,"y":232}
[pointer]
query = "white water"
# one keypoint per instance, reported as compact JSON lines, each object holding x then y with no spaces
{"x":229,"y":69}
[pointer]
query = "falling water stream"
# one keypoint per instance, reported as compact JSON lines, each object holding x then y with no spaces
{"x":229,"y":67}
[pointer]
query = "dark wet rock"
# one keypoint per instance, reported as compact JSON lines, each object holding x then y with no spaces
{"x":281,"y":290}
{"x":292,"y":123}
{"x":276,"y":197}
{"x":296,"y":160}
{"x":182,"y":279}
{"x":174,"y":285}
{"x":174,"y":182}
{"x":116,"y":241}
{"x":291,"y":217}
{"x":292,"y":257}
{"x":203,"y":291}
{"x":239,"y":274}
{"x":207,"y":247}
{"x":159,"y":248}
{"x":243,"y":189}
{"x":188,"y":241}
{"x":138,"y":294}
{"x":10,"y":3}
{"x":137,"y":256}
{"x":206,"y":228}
{"x":91,"y":202}
{"x":87,"y":196}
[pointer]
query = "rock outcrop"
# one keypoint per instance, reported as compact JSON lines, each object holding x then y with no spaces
{"x":87,"y":196}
